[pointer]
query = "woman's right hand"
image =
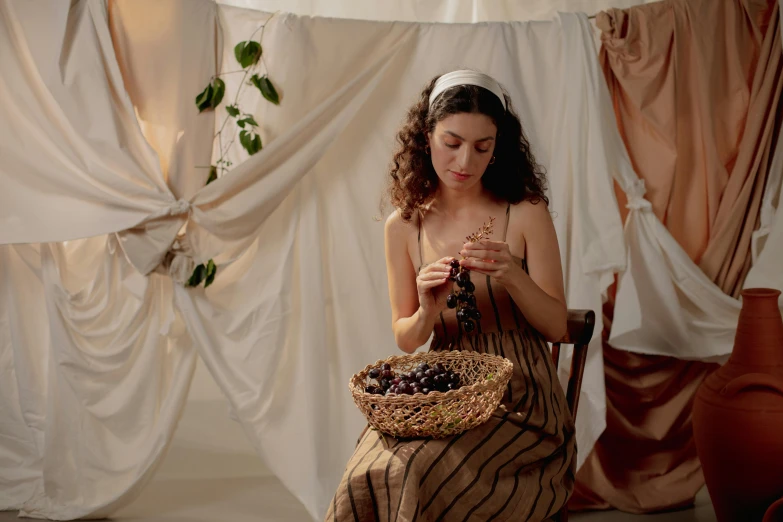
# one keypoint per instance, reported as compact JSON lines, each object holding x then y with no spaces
{"x":433,"y":286}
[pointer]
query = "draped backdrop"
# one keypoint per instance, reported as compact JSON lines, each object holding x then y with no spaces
{"x":104,"y":212}
{"x":714,"y":180}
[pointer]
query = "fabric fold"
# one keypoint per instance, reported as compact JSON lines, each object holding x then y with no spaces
{"x":114,"y":385}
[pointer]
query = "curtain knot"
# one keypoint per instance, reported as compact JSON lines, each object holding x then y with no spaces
{"x":178,"y":262}
{"x":635,"y":193}
{"x":179,"y":207}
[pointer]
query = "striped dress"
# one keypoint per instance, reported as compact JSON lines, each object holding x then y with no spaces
{"x":518,"y":466}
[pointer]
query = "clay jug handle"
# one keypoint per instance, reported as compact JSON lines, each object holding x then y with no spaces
{"x":774,"y":512}
{"x":752,"y":380}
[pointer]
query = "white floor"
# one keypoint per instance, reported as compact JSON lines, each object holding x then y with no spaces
{"x":263,"y":499}
{"x":211,"y":474}
{"x":256,"y":496}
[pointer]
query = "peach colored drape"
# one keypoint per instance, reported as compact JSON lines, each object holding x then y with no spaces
{"x":645,"y":460}
{"x":696,"y":86}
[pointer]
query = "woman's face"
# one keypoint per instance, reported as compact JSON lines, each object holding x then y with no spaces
{"x":462,"y":146}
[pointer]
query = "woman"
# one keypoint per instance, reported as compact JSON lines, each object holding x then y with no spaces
{"x":462,"y":160}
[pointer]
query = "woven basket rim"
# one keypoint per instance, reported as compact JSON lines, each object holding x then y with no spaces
{"x":357,"y":382}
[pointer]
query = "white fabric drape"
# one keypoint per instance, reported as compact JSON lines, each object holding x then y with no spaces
{"x":119,"y":375}
{"x":665,"y":304}
{"x":152,"y":40}
{"x":24,"y":350}
{"x":97,"y":370}
{"x":88,"y":169}
{"x":97,"y":363}
{"x":443,"y":11}
{"x":330,"y":251}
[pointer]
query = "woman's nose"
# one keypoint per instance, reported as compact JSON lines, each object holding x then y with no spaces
{"x":464,"y":158}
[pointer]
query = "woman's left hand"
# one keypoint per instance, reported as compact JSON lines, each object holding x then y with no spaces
{"x":492,"y":258}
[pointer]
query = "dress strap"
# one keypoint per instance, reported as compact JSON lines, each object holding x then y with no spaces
{"x":505,"y":230}
{"x":421,"y":259}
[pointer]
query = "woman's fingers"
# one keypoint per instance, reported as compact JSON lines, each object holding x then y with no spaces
{"x":477,"y":264}
{"x":427,"y":285}
{"x":438,"y":270}
{"x":481,"y":254}
{"x":486,"y":244}
{"x":435,"y":274}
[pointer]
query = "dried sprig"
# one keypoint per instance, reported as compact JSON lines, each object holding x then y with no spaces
{"x":486,"y":229}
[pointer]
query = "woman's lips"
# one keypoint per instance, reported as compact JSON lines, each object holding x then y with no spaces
{"x":459,"y":176}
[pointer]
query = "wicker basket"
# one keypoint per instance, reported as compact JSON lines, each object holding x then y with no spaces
{"x":436,"y":415}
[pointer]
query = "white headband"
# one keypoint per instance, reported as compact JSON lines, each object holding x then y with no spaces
{"x":466,"y":77}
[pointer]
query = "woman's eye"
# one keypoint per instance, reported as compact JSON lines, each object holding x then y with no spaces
{"x":452,"y":145}
{"x":482,"y":150}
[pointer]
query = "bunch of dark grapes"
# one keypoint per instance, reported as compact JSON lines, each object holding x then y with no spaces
{"x":464,"y":300}
{"x":422,"y":379}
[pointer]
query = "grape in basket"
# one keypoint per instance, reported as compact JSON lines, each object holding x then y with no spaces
{"x":422,"y":379}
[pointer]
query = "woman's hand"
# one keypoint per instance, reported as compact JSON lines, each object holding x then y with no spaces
{"x":432,"y":286}
{"x":492,"y":258}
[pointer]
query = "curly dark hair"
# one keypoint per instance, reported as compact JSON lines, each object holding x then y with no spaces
{"x":513,"y":177}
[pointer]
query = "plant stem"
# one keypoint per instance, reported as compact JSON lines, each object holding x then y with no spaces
{"x":227,"y":72}
{"x":220,"y":160}
{"x":262,"y":61}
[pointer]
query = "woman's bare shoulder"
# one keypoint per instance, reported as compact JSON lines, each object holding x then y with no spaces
{"x":530,"y":213}
{"x":396,"y":226}
{"x":528,"y":220}
{"x":400,"y":234}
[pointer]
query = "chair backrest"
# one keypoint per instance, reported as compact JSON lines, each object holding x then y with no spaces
{"x":581,"y":324}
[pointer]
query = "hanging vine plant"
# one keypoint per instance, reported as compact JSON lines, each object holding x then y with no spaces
{"x":250,"y":56}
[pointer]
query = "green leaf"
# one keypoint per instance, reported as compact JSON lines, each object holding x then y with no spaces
{"x":256,"y":144}
{"x":219,"y":89}
{"x":204,"y":99}
{"x":238,"y":50}
{"x":251,"y":142}
{"x":256,"y":80}
{"x":244,"y":138}
{"x":211,"y":271}
{"x":212,"y":174}
{"x":264,"y":84}
{"x":211,"y":96}
{"x":247,"y":120}
{"x":198,"y":275}
{"x":247,"y":53}
{"x":268,"y":91}
{"x":232,"y":110}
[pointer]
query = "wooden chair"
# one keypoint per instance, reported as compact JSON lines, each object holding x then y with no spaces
{"x":581,"y":324}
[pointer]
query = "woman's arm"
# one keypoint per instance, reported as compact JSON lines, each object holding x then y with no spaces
{"x":540,"y":296}
{"x":412,"y":324}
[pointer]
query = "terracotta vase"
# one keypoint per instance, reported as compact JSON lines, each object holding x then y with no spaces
{"x":738,"y":417}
